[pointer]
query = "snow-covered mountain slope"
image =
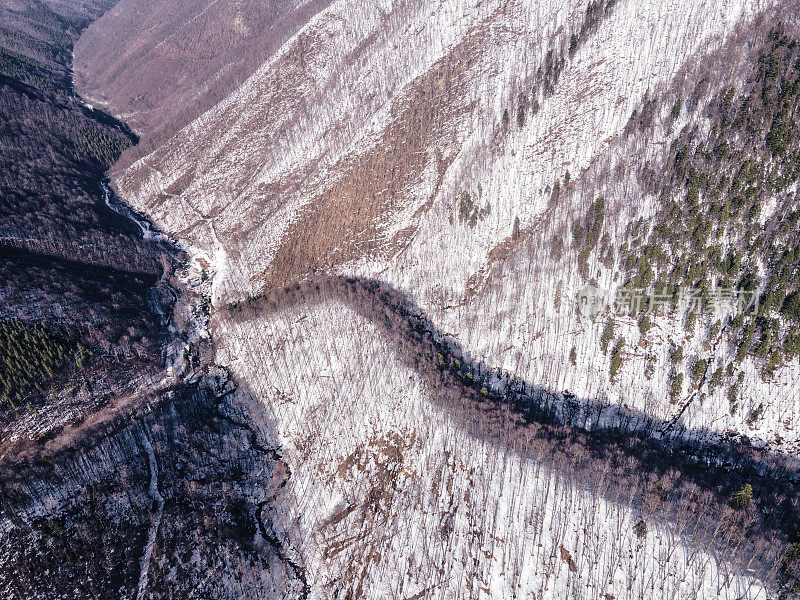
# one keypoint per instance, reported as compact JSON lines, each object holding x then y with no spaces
{"x":521,"y":311}
{"x":402,"y":488}
{"x":351,"y":150}
{"x":458,"y":152}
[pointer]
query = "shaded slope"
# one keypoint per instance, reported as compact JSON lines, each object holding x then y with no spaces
{"x":162,"y":64}
{"x":166,"y":499}
{"x":55,"y":149}
{"x":68,"y":262}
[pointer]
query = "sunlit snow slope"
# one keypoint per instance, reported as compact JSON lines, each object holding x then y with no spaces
{"x":350,"y":150}
{"x":451,"y":149}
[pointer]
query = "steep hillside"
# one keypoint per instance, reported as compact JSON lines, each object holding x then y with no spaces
{"x":646,"y":219}
{"x":461,"y":171}
{"x":80,"y":289}
{"x":510,"y":291}
{"x":164,"y":500}
{"x":417,"y":471}
{"x":160,"y":65}
{"x":56,"y":149}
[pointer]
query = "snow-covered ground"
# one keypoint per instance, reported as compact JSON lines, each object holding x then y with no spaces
{"x":394,"y":495}
{"x":235,"y":182}
{"x":391,"y":495}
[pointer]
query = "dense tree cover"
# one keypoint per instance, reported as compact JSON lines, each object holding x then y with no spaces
{"x":711,"y":229}
{"x":100,"y":145}
{"x":607,"y":336}
{"x":469,"y":209}
{"x":743,"y":497}
{"x":616,"y":358}
{"x":29,"y":356}
{"x":586,"y":233}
